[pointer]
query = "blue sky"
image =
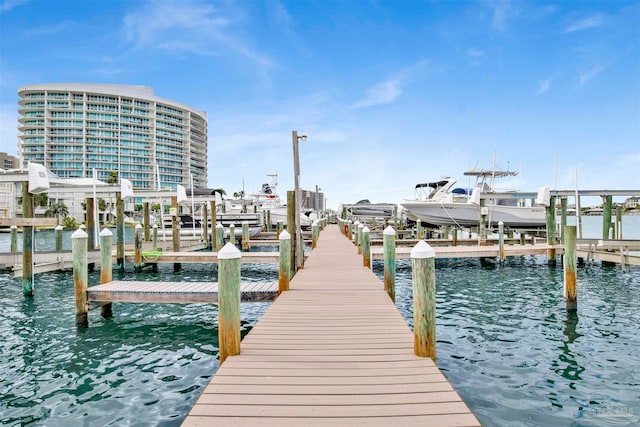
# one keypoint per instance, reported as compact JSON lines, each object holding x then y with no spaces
{"x":390,"y":93}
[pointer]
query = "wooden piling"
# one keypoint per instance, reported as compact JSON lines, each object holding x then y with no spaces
{"x":175,"y":228}
{"x":618,"y":222}
{"x":314,"y":234}
{"x":389,"y":245}
{"x":214,"y":220}
{"x":91,"y":222}
{"x":269,"y":220}
{"x":420,"y":230}
{"x":14,"y":238}
{"x":245,"y":236}
{"x":205,"y":225}
{"x":284,"y":273}
{"x":137,"y":245}
{"x":228,"y":301}
{"x":563,"y":217}
{"x":219,"y":236}
{"x":356,"y":226}
{"x":551,"y":230}
{"x":501,"y":240}
{"x":146,"y":222}
{"x":570,"y":271}
{"x":424,"y":300}
{"x":366,"y":248}
{"x":106,"y":266}
{"x":291,"y":226}
{"x":79,"y":247}
{"x":607,"y":204}
{"x":58,"y":237}
{"x":232,"y":234}
{"x":119,"y":231}
{"x":454,"y":236}
{"x":27,"y":242}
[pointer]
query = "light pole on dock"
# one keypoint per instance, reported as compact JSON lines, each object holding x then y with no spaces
{"x":296,"y":175}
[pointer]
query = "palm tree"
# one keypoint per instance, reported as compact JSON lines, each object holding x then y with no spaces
{"x":41,"y":199}
{"x":221,"y":191}
{"x":113,"y":177}
{"x":57,"y":210}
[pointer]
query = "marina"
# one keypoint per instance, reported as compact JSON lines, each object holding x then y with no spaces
{"x":307,"y":213}
{"x":487,"y":337}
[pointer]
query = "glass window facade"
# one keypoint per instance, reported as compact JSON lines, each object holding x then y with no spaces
{"x":72,"y":130}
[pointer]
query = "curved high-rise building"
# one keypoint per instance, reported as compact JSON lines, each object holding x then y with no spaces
{"x":73,"y":128}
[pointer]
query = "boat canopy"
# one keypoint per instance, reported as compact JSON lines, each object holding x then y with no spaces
{"x":489,"y":172}
{"x":435,"y":184}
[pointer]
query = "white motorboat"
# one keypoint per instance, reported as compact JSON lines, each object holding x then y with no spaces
{"x":366,"y":209}
{"x":438,"y":203}
{"x":267,"y":199}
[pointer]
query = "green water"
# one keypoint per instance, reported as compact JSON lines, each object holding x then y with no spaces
{"x":509,"y":347}
{"x":146,"y":366}
{"x":505,"y":341}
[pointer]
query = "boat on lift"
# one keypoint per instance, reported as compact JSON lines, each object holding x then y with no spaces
{"x":440,"y":203}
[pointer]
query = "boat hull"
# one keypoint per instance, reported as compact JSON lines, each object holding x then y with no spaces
{"x":467,"y":214}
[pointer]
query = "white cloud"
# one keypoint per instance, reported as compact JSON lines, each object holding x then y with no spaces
{"x":476,"y":53}
{"x":585,"y":76}
{"x":187,"y":26}
{"x":543,"y":86}
{"x":8,"y":5}
{"x":381,"y":93}
{"x":501,"y":11}
{"x":586,"y":23}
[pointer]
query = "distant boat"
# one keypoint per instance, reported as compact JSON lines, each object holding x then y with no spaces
{"x":445,"y":205}
{"x":364,"y":208}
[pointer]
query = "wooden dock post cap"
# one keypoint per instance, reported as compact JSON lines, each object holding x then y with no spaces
{"x":365,"y":229}
{"x":284,"y":235}
{"x":58,"y":227}
{"x":423,"y":250}
{"x":219,"y":225}
{"x":360,"y":225}
{"x":106,"y":232}
{"x":229,"y":251}
{"x":389,"y":231}
{"x":82,"y":227}
{"x":15,"y":226}
{"x":138,"y":226}
{"x":79,"y":234}
{"x":155,"y":225}
{"x":500,"y":223}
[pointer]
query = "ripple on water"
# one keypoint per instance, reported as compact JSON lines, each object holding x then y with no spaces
{"x":145,"y":366}
{"x":509,"y":347}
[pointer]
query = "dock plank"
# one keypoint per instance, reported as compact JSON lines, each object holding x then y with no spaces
{"x":333,"y":350}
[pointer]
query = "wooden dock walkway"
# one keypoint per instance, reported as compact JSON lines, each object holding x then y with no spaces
{"x":333,"y":350}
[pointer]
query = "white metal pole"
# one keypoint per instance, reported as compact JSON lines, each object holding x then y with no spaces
{"x":193,"y":209}
{"x":96,"y":224}
{"x":164,"y":233}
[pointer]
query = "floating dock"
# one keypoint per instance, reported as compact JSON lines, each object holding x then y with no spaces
{"x":332,"y":350}
{"x":176,"y":292}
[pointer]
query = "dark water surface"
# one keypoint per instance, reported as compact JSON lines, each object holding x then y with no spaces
{"x":505,"y":341}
